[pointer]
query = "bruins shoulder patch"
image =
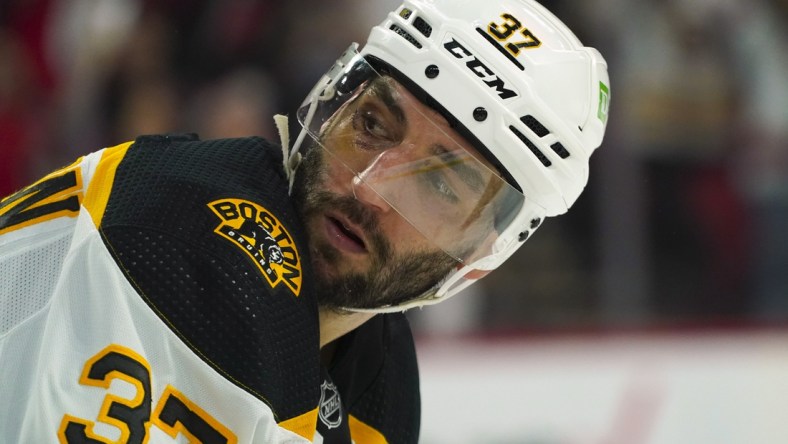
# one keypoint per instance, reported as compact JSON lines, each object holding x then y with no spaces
{"x":263,"y":238}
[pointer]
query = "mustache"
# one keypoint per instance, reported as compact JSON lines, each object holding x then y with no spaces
{"x":358,"y":214}
{"x":312,"y":199}
{"x":350,"y":208}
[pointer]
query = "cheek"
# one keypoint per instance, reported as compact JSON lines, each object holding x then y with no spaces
{"x":337,"y":176}
{"x":340,"y":147}
{"x":403,"y":237}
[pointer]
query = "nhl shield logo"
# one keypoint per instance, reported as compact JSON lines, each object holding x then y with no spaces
{"x":330,"y":410}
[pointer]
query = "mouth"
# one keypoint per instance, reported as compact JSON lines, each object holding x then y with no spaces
{"x":344,"y":235}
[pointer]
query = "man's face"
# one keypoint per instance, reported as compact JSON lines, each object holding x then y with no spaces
{"x":388,"y":164}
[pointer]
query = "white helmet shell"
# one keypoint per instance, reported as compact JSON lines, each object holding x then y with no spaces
{"x":544,"y":95}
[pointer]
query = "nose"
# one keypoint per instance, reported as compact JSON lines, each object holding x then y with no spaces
{"x":365,"y":194}
{"x":372,"y":187}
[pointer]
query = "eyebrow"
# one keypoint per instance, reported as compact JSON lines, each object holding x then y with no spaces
{"x":468,"y":174}
{"x":381,"y":89}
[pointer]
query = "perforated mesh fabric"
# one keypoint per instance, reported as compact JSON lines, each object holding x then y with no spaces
{"x":377,"y":374}
{"x":160,"y":229}
{"x":34,"y":271}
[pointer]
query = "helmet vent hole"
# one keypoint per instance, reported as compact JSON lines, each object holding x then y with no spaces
{"x":405,"y":13}
{"x":406,"y":36}
{"x":422,"y":26}
{"x":535,"y":125}
{"x":559,"y":149}
{"x":432,"y":71}
{"x":534,"y":149}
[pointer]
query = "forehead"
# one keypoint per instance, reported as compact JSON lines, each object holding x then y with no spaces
{"x":421,"y":118}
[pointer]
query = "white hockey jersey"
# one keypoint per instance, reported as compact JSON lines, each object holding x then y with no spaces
{"x":83,"y":358}
{"x":158,"y":292}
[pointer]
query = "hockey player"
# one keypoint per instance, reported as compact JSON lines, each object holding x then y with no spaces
{"x":171,"y":289}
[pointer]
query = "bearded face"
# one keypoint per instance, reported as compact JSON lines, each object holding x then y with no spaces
{"x":357,"y":264}
{"x":392,"y":197}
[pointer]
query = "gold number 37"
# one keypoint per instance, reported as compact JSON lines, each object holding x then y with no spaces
{"x":504,"y":31}
{"x":174,"y":414}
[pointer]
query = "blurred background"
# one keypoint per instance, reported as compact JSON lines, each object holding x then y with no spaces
{"x":654,"y":311}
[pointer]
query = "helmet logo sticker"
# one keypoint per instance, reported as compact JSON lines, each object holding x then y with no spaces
{"x":260,"y":235}
{"x":499,"y":34}
{"x":604,"y":102}
{"x":504,"y":31}
{"x":480,"y":69}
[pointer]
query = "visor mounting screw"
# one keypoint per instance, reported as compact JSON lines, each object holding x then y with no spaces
{"x":432,"y":71}
{"x":524,"y":236}
{"x":535,"y":223}
{"x":480,"y":114}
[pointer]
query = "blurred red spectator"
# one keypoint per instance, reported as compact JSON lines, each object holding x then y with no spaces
{"x":26,"y":87}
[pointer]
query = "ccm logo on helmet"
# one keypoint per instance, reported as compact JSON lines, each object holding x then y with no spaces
{"x":480,"y":69}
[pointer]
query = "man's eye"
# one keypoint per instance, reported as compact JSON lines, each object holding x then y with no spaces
{"x":441,"y":187}
{"x":372,"y":125}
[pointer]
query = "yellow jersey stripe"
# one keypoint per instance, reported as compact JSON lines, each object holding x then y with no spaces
{"x":100,"y":186}
{"x":303,"y":425}
{"x":362,"y":433}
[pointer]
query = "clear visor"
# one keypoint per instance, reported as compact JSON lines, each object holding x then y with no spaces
{"x":403,"y":155}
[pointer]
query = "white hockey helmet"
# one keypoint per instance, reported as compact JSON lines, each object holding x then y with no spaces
{"x":512,"y":80}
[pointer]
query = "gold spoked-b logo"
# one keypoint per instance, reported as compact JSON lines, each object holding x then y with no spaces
{"x":258,"y":233}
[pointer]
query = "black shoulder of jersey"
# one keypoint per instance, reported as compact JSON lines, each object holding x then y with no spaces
{"x":376,"y":372}
{"x":207,"y":234}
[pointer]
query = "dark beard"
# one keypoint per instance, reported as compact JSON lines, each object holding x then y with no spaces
{"x":391,"y":279}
